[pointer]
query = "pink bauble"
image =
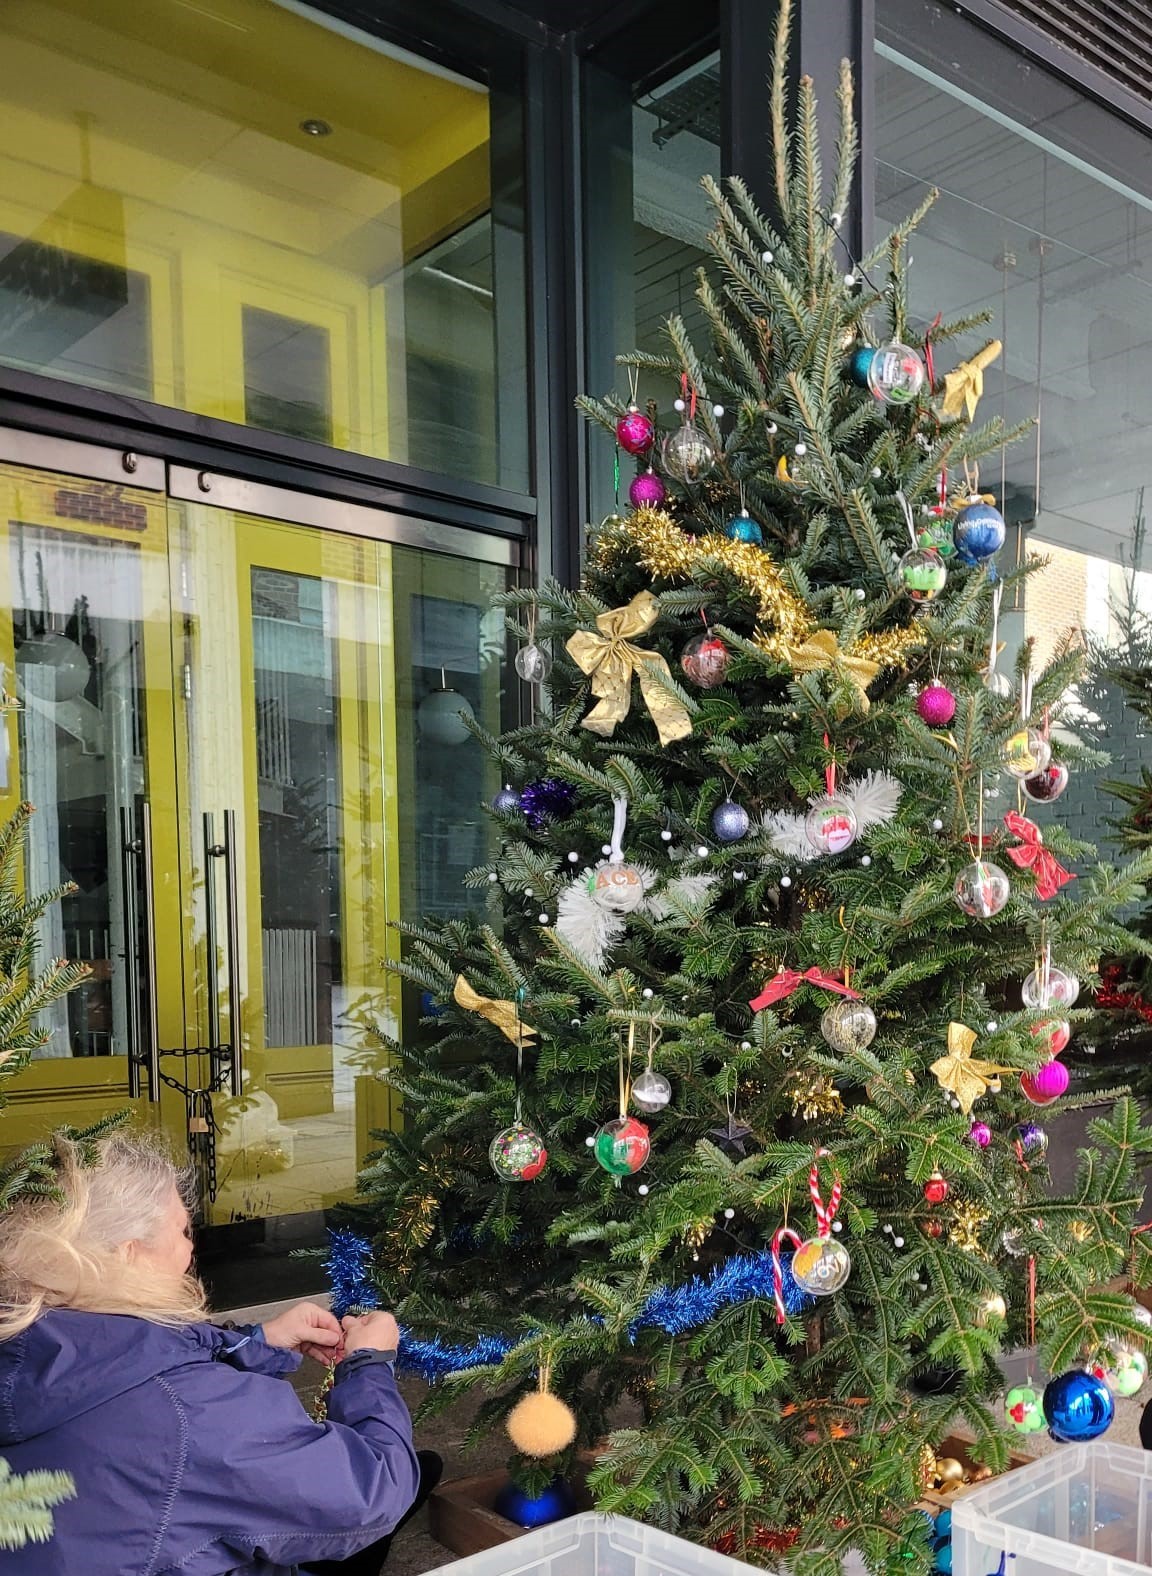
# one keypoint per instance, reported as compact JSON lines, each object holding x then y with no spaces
{"x":936,"y":705}
{"x":980,"y":1134}
{"x":634,"y":431}
{"x":1046,"y":1084}
{"x":647,"y":491}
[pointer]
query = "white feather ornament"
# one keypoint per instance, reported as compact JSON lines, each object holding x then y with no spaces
{"x":592,"y":930}
{"x":874,"y":800}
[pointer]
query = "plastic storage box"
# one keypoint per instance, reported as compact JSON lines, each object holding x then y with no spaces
{"x":595,"y":1545}
{"x":1086,"y":1509}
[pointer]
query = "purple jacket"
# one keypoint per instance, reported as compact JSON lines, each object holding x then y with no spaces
{"x":191,"y":1455}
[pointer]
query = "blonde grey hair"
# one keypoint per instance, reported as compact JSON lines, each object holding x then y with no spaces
{"x":76,"y":1252}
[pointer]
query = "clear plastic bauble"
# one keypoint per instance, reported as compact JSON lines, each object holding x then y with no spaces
{"x":1030,"y":1139}
{"x":1023,"y":1409}
{"x":533,"y":663}
{"x":895,"y":374}
{"x":848,"y":1026}
{"x":981,"y":889}
{"x":730,"y":821}
{"x":998,"y":684}
{"x":687,"y":453}
{"x":621,"y":1146}
{"x":506,"y":800}
{"x":617,"y":887}
{"x":821,"y":1266}
{"x":978,"y":533}
{"x":1062,"y":988}
{"x":1026,"y":753}
{"x":705,"y":660}
{"x":923,"y":574}
{"x":518,"y":1154}
{"x":651,"y":1091}
{"x":743,"y":528}
{"x":441,"y":716}
{"x":1054,"y":1034}
{"x":1012,"y":1241}
{"x":936,"y":535}
{"x":1124,"y":1372}
{"x":1141,"y":1314}
{"x":1046,"y":785}
{"x":830,"y":825}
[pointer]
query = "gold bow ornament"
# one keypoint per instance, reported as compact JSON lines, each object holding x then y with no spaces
{"x":821,"y":651}
{"x":611,"y":661}
{"x":502,"y":1013}
{"x":965,"y":384}
{"x":961,"y":1073}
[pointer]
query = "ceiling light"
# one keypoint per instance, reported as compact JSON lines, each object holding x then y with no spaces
{"x":315,"y":128}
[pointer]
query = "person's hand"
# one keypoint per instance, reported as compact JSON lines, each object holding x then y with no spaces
{"x":377,"y":1332}
{"x":307,"y":1328}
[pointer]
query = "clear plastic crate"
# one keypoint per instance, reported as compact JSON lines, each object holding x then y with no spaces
{"x":1086,"y":1509}
{"x":595,"y":1545}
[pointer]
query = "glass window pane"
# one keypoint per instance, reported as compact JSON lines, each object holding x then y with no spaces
{"x":251,"y":212}
{"x":1044,"y":221}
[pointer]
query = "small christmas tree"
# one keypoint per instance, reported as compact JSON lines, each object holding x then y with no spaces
{"x":756,"y":937}
{"x":26,"y":1501}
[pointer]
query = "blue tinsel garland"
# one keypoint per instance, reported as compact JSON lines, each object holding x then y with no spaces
{"x":671,"y":1308}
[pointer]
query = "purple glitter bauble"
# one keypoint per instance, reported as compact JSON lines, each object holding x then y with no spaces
{"x":936,"y":705}
{"x":635,"y":431}
{"x":550,"y":799}
{"x":647,"y":491}
{"x":980,"y":1134}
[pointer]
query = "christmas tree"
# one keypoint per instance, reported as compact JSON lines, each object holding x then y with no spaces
{"x":26,"y":1501}
{"x":726,"y":1108}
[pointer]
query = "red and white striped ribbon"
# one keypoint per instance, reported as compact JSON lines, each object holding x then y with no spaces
{"x":825,"y":1213}
{"x":778,"y":1269}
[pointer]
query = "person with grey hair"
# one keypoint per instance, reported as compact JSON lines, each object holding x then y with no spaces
{"x":188,"y":1452}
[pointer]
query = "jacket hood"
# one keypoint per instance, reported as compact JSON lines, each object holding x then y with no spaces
{"x":69,"y":1362}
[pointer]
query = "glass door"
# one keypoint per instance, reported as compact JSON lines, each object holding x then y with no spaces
{"x":88,"y":740}
{"x":283,"y":639}
{"x":238,"y":712}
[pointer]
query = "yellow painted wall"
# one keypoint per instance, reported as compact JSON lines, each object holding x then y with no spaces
{"x":165,"y":137}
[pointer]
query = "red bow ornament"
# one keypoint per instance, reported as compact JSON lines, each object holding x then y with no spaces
{"x":788,"y":980}
{"x":1032,"y":855}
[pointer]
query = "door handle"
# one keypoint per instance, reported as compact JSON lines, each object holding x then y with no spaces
{"x":234,"y":1047}
{"x":136,"y":876}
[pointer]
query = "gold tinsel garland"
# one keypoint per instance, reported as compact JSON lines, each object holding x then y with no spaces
{"x":653,"y":538}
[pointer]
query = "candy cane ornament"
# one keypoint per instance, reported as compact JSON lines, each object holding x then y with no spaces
{"x":785,"y":1232}
{"x":822,"y":1264}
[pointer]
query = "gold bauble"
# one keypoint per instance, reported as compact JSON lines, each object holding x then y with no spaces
{"x":993,"y":1307}
{"x":949,"y":1471}
{"x":540,"y":1424}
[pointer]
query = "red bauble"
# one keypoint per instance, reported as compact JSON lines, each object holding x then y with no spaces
{"x":634,"y":431}
{"x":936,"y":705}
{"x":934,"y":1228}
{"x":1055,"y":1032}
{"x":936,"y":1188}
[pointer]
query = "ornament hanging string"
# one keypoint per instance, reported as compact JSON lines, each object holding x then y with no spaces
{"x":626,"y":1071}
{"x":688,"y":396}
{"x":830,"y":769}
{"x":783,"y":1233}
{"x":909,"y":517}
{"x":619,"y":822}
{"x":928,"y":359}
{"x":521,"y":996}
{"x":1032,"y":1301}
{"x":994,"y":641}
{"x":825,"y":1213}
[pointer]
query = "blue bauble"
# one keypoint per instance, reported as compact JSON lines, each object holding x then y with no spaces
{"x":729,"y":821}
{"x":556,"y":1502}
{"x":743,"y":528}
{"x":942,"y":1558}
{"x":507,"y":800}
{"x":979,"y":533}
{"x":942,"y":1526}
{"x":1077,"y":1406}
{"x":859,"y":364}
